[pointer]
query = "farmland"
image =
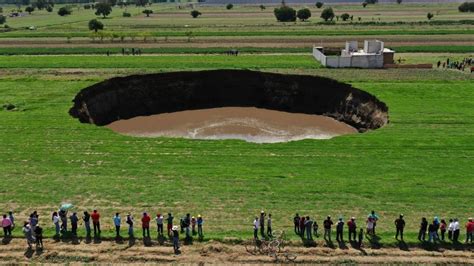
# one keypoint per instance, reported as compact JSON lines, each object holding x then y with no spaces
{"x":420,"y":164}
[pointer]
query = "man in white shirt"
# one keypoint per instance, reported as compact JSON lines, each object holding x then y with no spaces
{"x":256,"y":223}
{"x":456,"y":230}
{"x":450,"y":229}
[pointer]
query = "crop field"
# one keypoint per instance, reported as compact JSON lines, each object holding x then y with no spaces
{"x":420,"y":164}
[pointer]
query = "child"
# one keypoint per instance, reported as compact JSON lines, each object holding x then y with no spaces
{"x":361,"y":237}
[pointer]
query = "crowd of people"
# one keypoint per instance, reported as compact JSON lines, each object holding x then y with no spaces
{"x":33,"y":232}
{"x":459,"y":65}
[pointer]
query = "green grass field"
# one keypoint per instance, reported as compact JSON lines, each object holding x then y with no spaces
{"x":420,"y":164}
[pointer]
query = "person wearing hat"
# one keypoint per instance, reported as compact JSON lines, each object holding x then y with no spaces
{"x":469,"y":230}
{"x":352,"y":226}
{"x":175,"y":234}
{"x":256,"y":223}
{"x":399,"y":225}
{"x":200,"y":221}
{"x":146,"y":225}
{"x":193,"y":225}
{"x":262,"y":223}
{"x":339,"y":230}
{"x":327,"y":228}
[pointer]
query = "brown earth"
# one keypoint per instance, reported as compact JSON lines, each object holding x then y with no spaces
{"x":108,"y":252}
{"x":245,"y":123}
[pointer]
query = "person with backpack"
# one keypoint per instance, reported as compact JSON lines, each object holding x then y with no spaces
{"x":55,"y":218}
{"x":117,"y":222}
{"x":96,"y":222}
{"x":269,"y":225}
{"x":169,"y":221}
{"x":146,"y":225}
{"x":399,"y":225}
{"x":74,"y":220}
{"x":87,"y":223}
{"x":423,"y":228}
{"x":296,"y":222}
{"x":339,"y":230}
{"x":327,"y":228}
{"x":7,"y":226}
{"x":352,"y":226}
{"x":200,"y":222}
{"x":39,"y":236}
{"x":159,"y":224}
{"x":130,"y":226}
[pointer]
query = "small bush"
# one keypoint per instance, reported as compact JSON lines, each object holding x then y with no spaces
{"x":195,"y":13}
{"x":229,"y":6}
{"x":345,"y":16}
{"x":466,"y":7}
{"x":147,"y":12}
{"x":303,"y":14}
{"x":429,"y":15}
{"x":327,"y":14}
{"x":87,"y":6}
{"x":29,"y":9}
{"x":285,"y":14}
{"x":262,"y":7}
{"x":49,"y":9}
{"x":95,"y":25}
{"x":319,"y":4}
{"x":3,"y":19}
{"x":364,"y":4}
{"x":126,"y":14}
{"x":64,"y":11}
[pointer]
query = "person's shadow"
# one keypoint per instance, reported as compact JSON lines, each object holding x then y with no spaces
{"x":97,"y":240}
{"x":131,"y":241}
{"x":119,"y":240}
{"x":161,"y":239}
{"x":402,"y":245}
{"x":39,"y":251}
{"x":6,"y":240}
{"x":374,"y":241}
{"x":29,"y":253}
{"x":147,"y":242}
{"x":329,"y":243}
{"x":188,"y":240}
{"x":342,"y":244}
{"x":308,"y":242}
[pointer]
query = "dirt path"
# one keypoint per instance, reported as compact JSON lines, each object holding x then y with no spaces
{"x":214,"y":252}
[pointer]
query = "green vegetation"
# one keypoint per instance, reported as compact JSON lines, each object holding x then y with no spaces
{"x":303,"y":14}
{"x":95,"y":25}
{"x":285,"y":14}
{"x":103,"y":9}
{"x":327,"y":14}
{"x":466,"y":7}
{"x":195,"y":13}
{"x":147,"y":12}
{"x":64,"y":11}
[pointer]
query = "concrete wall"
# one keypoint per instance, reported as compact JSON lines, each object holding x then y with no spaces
{"x":358,"y":61}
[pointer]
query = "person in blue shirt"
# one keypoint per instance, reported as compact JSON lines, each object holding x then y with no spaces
{"x":375,"y":218}
{"x":117,"y":222}
{"x":200,"y":221}
{"x":74,"y":219}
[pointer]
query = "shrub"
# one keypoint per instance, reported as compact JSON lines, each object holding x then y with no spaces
{"x":29,"y":9}
{"x":3,"y":19}
{"x":345,"y":16}
{"x":95,"y":25}
{"x":327,"y":14}
{"x":229,"y":6}
{"x":429,"y":15}
{"x":195,"y":13}
{"x":126,"y":14}
{"x":285,"y":14}
{"x":64,"y":11}
{"x":1,"y":9}
{"x":303,"y":14}
{"x":147,"y":12}
{"x":364,"y":4}
{"x":87,"y":6}
{"x":103,"y":9}
{"x":262,"y":7}
{"x":49,"y":9}
{"x":319,"y":4}
{"x":466,"y":7}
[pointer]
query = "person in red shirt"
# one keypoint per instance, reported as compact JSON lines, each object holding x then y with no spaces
{"x":469,"y":230}
{"x":351,"y":224}
{"x":96,"y":222}
{"x":146,"y":225}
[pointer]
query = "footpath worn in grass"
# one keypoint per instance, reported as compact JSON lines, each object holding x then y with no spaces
{"x":420,"y":164}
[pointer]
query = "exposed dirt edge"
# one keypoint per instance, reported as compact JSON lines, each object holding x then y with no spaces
{"x":140,"y":95}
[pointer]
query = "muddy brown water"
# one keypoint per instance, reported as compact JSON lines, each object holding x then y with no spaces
{"x":244,"y":123}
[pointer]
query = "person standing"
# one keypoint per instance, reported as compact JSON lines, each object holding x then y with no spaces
{"x":96,"y":222}
{"x":262,"y":224}
{"x":159,"y":224}
{"x":296,"y":222}
{"x":187,"y":224}
{"x":269,"y":225}
{"x":442,"y":228}
{"x":256,"y":223}
{"x":370,"y":226}
{"x":199,"y":224}
{"x":87,"y":223}
{"x":39,"y":236}
{"x":7,"y":226}
{"x":74,"y":220}
{"x":450,"y":229}
{"x":169,"y":225}
{"x":28,"y":234}
{"x":469,"y":230}
{"x":352,"y":226}
{"x":130,"y":226}
{"x":399,"y":225}
{"x":339,"y":230}
{"x":146,"y":225}
{"x":308,"y":224}
{"x":361,"y":237}
{"x":63,"y":217}
{"x":456,"y":230}
{"x":55,"y":218}
{"x":33,"y":221}
{"x":193,"y":225}
{"x":375,"y":219}
{"x":117,"y":223}
{"x":423,"y":227}
{"x":175,"y":233}
{"x":327,"y":228}
{"x":12,"y":218}
{"x":302,"y":227}
{"x":432,"y":232}
{"x":315,"y":228}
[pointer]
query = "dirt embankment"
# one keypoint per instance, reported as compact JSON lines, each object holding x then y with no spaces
{"x":108,"y":252}
{"x":142,"y":95}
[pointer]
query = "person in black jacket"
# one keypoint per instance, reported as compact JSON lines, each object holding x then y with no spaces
{"x":339,"y":230}
{"x":399,"y":225}
{"x":39,"y":236}
{"x":296,"y":221}
{"x":262,"y":224}
{"x":423,"y":228}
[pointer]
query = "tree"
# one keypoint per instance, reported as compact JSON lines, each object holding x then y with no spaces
{"x":3,"y":19}
{"x":64,"y":11}
{"x":466,"y":7}
{"x":49,"y":9}
{"x":303,"y":14}
{"x":262,"y":7}
{"x":327,"y":14}
{"x":319,"y":4}
{"x":429,"y":15}
{"x":95,"y":25}
{"x":364,"y":4}
{"x":29,"y":9}
{"x":147,"y":12}
{"x":195,"y":13}
{"x":229,"y":6}
{"x":103,"y":9}
{"x":345,"y":16}
{"x":285,"y":13}
{"x":41,"y":4}
{"x":399,"y":1}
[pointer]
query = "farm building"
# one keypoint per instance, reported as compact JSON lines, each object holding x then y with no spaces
{"x":374,"y":55}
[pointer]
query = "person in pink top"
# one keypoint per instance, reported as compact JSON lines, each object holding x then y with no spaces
{"x":469,"y":230}
{"x":7,"y":226}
